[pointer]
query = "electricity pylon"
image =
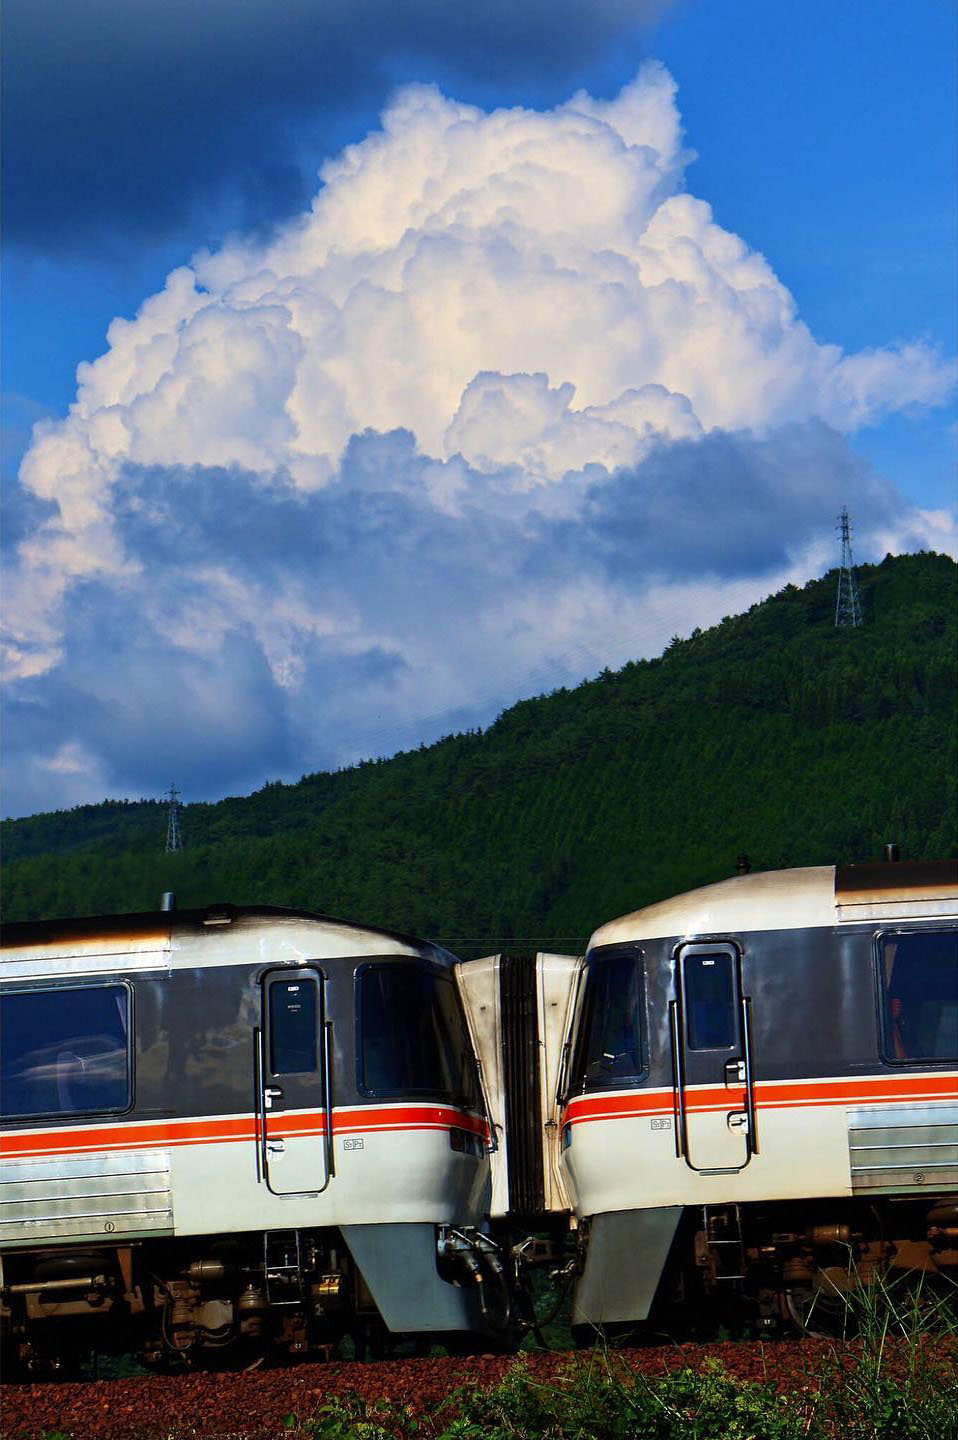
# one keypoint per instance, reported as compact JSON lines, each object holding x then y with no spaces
{"x":848,"y":610}
{"x":173,"y":841}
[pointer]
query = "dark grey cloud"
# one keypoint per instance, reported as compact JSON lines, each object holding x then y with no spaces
{"x":373,"y":529}
{"x":728,"y":504}
{"x":139,"y":708}
{"x":260,"y":631}
{"x":127,"y":117}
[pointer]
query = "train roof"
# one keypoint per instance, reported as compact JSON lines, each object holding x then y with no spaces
{"x":796,"y":899}
{"x":221,"y":934}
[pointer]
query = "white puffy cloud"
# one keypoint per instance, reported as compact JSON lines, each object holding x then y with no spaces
{"x":517,"y":420}
{"x":472,"y":418}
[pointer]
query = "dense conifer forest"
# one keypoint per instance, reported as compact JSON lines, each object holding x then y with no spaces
{"x":772,"y":734}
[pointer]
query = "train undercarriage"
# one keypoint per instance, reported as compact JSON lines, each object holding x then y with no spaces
{"x":233,"y":1301}
{"x":811,"y":1268}
{"x":230,"y":1300}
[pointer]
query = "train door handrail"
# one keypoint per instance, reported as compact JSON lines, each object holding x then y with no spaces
{"x":752,"y":1135}
{"x":328,"y":1097}
{"x":678,"y":1070}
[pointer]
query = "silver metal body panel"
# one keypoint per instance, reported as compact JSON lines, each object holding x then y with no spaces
{"x":896,"y":1149}
{"x":624,"y":1263}
{"x":901,"y":914}
{"x":144,"y":960}
{"x":86,"y":1197}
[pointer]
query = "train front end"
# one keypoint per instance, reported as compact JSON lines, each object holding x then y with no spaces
{"x":238,"y":1131}
{"x":760,"y":1105}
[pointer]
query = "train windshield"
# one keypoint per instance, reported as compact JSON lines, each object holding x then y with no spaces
{"x":919,"y":975}
{"x":609,"y":1047}
{"x":413,"y":1038}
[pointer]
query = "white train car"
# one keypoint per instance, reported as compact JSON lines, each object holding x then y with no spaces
{"x":774,"y":1057}
{"x":748,"y":1090}
{"x":242,"y":1127}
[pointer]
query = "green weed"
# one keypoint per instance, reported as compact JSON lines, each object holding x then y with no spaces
{"x":895,"y":1380}
{"x":600,"y":1400}
{"x":900,"y":1379}
{"x":350,"y":1417}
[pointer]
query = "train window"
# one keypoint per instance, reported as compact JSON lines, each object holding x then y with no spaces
{"x":413,"y":1038}
{"x":918,"y":971}
{"x":609,"y":1042}
{"x":292,"y":1027}
{"x":65,"y":1051}
{"x":710,"y":1000}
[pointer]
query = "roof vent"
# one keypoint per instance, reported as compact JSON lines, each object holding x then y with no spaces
{"x":167,"y":900}
{"x":892,"y":855}
{"x":219,"y":915}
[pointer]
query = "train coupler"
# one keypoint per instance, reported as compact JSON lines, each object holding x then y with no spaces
{"x":478,"y":1258}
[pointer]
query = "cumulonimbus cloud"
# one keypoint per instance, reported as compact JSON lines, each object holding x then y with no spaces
{"x":506,"y":379}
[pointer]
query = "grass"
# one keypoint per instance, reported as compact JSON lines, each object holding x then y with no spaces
{"x":892,"y":1376}
{"x":902,"y":1383}
{"x":601,"y":1401}
{"x":605,"y":1400}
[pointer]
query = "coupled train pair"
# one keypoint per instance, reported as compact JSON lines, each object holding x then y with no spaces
{"x":249,"y":1130}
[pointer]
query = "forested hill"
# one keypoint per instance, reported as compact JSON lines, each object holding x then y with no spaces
{"x":772,"y":733}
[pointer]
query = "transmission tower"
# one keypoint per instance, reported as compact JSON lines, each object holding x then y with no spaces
{"x":848,"y":611}
{"x":173,"y":841}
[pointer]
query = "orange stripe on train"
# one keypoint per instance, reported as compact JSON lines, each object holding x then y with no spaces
{"x":148,"y":1134}
{"x":769,"y":1095}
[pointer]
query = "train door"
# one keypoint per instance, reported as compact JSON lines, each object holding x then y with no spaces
{"x":295,"y":1150}
{"x":711,"y":1042}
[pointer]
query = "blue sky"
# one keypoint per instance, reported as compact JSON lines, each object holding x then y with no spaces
{"x":137,"y":134}
{"x":825,"y":134}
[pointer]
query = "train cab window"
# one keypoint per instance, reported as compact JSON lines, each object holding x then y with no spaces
{"x":710,"y":999}
{"x":65,"y":1051}
{"x":413,"y":1038}
{"x":293,"y":1008}
{"x":608,"y":1046}
{"x":918,"y":972}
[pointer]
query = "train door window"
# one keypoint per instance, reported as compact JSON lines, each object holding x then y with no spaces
{"x":918,"y":973}
{"x":65,"y":1051}
{"x":413,"y":1038}
{"x":609,"y":1045}
{"x":710,"y":1000}
{"x":293,"y":1010}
